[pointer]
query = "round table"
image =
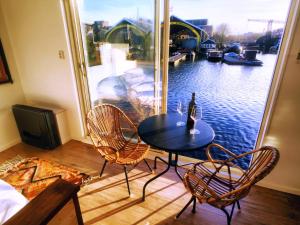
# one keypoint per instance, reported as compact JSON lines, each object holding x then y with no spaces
{"x":161,"y":132}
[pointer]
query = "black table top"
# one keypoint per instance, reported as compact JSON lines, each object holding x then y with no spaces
{"x":161,"y":132}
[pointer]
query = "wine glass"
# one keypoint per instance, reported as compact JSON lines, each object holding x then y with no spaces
{"x":195,"y":117}
{"x":179,"y":109}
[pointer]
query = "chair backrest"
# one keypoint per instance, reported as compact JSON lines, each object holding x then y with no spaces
{"x":104,"y":126}
{"x":263,"y":162}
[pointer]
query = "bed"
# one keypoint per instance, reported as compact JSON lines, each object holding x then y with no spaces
{"x":11,"y":201}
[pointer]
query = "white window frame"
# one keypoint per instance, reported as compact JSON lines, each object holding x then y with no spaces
{"x":292,"y":18}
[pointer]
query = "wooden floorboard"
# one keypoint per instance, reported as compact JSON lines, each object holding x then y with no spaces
{"x":106,"y":201}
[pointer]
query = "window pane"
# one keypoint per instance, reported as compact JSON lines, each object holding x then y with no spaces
{"x":235,"y":44}
{"x":119,"y":47}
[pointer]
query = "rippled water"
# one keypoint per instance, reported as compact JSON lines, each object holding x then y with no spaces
{"x":232,"y":98}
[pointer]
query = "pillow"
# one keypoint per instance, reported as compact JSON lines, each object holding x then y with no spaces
{"x":11,"y":201}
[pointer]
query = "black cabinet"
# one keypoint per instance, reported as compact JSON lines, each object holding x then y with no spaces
{"x":37,"y":126}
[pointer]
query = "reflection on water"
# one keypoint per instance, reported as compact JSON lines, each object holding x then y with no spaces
{"x":232,"y":98}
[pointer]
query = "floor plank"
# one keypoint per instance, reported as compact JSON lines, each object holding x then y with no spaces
{"x":106,"y":200}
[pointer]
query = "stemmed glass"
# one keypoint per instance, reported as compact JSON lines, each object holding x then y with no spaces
{"x":195,"y":116}
{"x":179,"y":109}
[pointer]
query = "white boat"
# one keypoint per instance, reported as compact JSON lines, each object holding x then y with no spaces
{"x":236,"y":59}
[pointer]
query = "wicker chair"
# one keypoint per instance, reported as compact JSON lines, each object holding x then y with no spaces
{"x":214,"y":182}
{"x":115,"y":137}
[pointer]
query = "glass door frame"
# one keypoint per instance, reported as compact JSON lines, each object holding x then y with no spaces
{"x":79,"y":64}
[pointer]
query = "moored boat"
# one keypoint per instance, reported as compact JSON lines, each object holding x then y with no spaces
{"x":237,"y":59}
{"x":214,"y":56}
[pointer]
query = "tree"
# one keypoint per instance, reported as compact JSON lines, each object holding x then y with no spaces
{"x":221,"y":33}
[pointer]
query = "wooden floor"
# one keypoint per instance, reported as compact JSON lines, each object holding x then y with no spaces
{"x":106,"y":201}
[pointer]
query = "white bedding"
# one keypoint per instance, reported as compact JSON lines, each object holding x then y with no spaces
{"x":11,"y":201}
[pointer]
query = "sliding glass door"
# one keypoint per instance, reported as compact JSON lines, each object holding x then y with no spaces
{"x":121,"y":52}
{"x":227,"y":57}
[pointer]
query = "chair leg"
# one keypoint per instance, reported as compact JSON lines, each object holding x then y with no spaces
{"x":229,"y":217}
{"x":103,"y":168}
{"x":125,"y":171}
{"x":232,"y":210}
{"x":194,"y":205}
{"x":184,"y":208}
{"x":238,"y":204}
{"x":148,"y":165}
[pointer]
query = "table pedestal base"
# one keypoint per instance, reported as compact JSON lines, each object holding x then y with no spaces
{"x":169,"y":163}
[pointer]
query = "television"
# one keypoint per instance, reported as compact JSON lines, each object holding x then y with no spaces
{"x":37,"y":126}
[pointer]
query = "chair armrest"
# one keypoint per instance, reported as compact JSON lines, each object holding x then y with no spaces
{"x":47,"y":204}
{"x":231,"y":154}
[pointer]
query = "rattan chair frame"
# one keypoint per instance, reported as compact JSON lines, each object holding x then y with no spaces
{"x":115,"y":137}
{"x":212,"y":181}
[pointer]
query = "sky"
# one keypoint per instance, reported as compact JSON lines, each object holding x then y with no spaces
{"x":233,"y":12}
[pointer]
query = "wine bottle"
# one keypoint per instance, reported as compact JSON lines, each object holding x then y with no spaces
{"x":190,"y":122}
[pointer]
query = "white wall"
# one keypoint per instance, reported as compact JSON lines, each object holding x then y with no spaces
{"x":37,"y":33}
{"x":10,"y":94}
{"x":284,"y":131}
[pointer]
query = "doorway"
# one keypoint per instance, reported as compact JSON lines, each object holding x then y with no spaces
{"x":121,"y":48}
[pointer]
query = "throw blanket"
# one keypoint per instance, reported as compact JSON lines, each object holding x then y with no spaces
{"x":11,"y":201}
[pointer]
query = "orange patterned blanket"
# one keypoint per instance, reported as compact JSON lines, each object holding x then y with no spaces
{"x":32,"y":175}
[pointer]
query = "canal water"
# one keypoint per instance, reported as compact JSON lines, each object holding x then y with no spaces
{"x":232,"y":98}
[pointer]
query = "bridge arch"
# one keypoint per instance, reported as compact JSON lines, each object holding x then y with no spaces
{"x":121,"y":26}
{"x":177,"y":23}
